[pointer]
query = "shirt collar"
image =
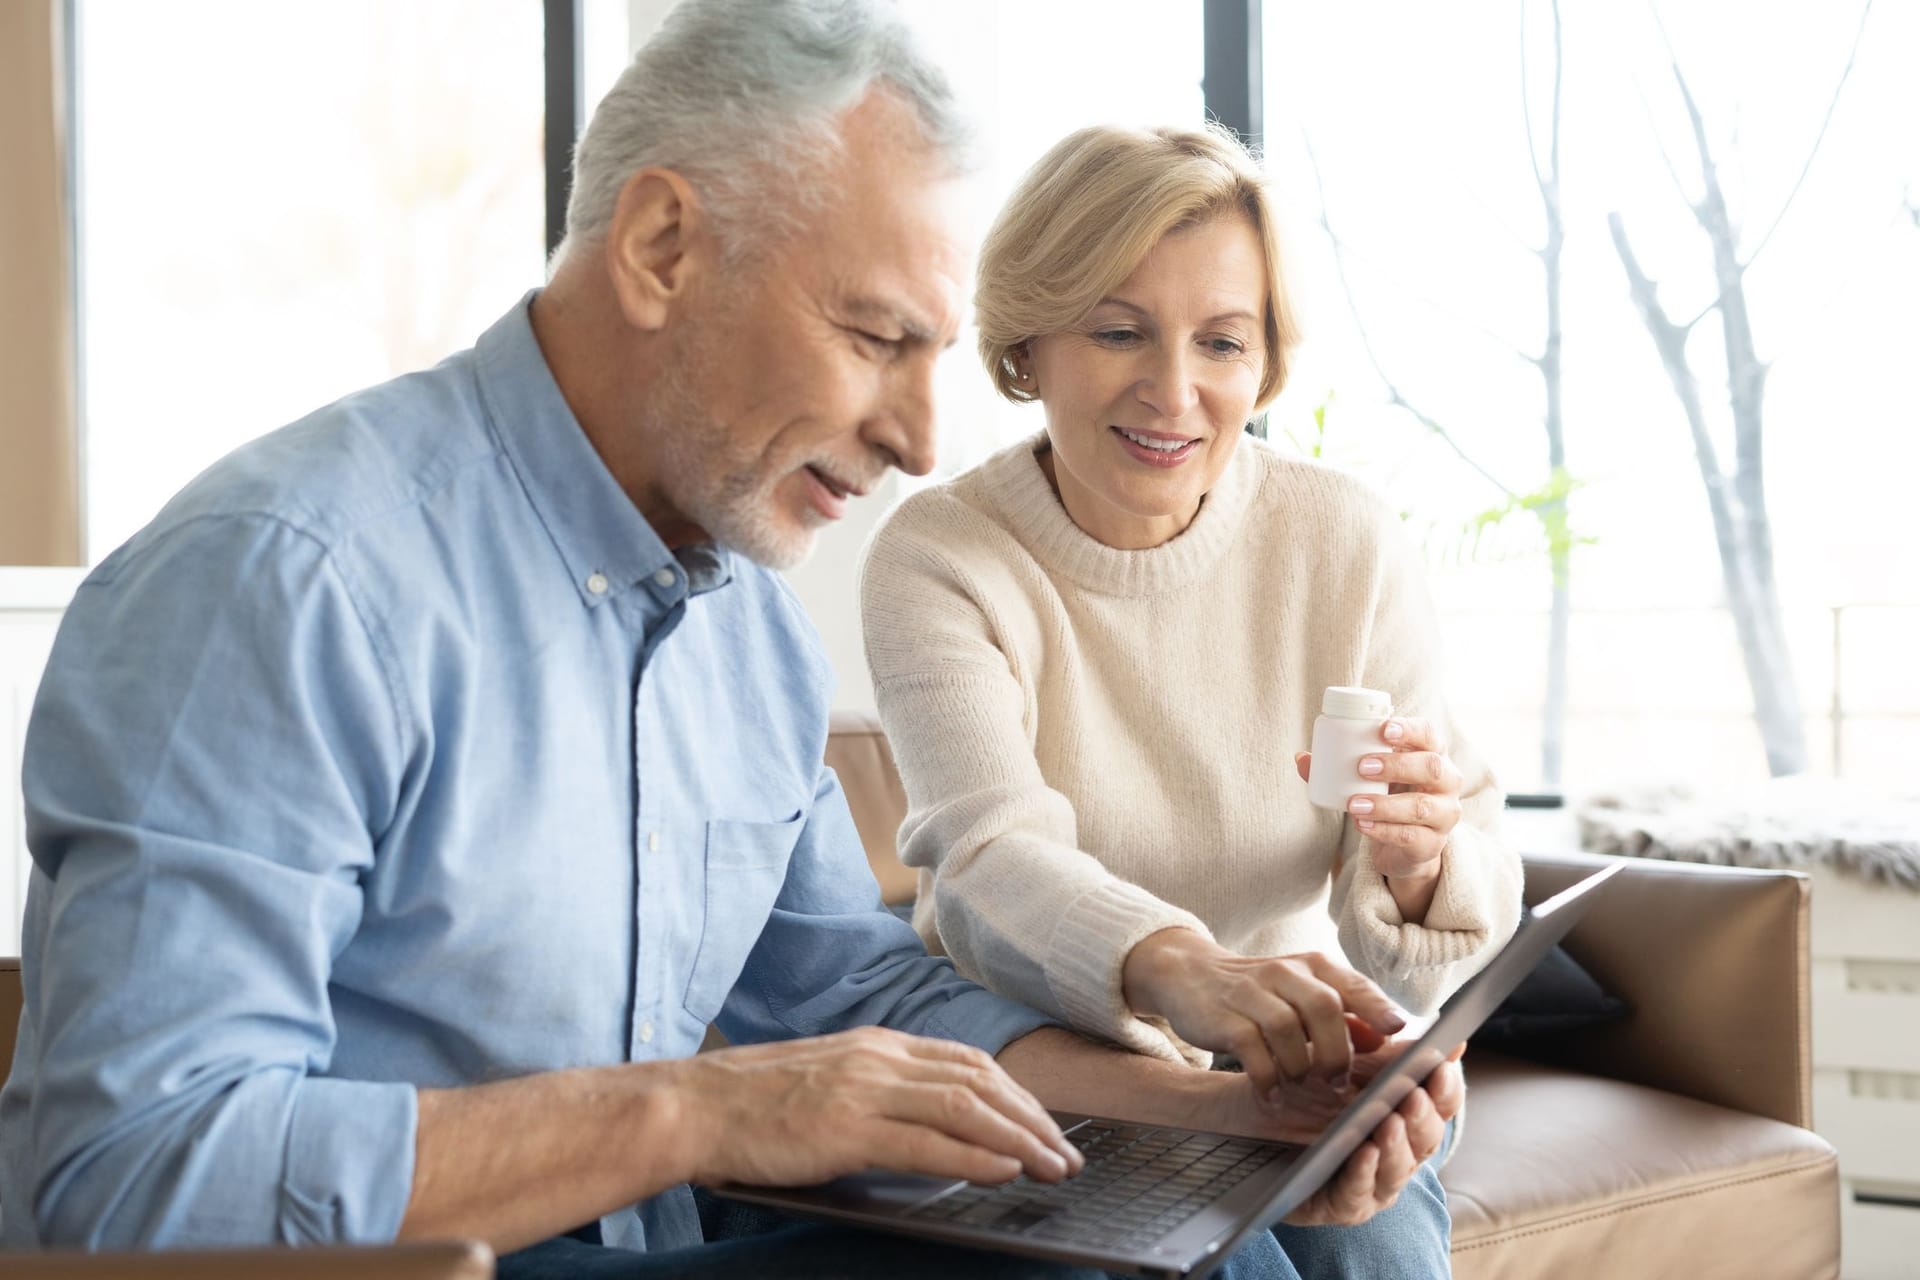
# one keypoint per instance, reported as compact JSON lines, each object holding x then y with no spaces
{"x":606,"y":544}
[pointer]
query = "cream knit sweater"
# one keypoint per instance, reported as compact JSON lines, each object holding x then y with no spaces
{"x":1097,"y":744}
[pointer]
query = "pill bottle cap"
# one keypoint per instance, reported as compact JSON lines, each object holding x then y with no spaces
{"x":1356,"y":704}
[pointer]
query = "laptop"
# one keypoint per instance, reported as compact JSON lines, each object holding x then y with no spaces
{"x":1159,"y":1201}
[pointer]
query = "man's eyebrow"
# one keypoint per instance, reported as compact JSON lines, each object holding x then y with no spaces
{"x":1238,"y":313}
{"x":912,"y":329}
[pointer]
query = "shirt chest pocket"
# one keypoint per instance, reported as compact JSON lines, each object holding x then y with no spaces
{"x":746,"y":865}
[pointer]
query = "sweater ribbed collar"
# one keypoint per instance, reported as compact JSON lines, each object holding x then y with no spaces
{"x":1018,"y":487}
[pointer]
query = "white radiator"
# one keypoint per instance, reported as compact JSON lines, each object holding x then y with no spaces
{"x":31,"y":601}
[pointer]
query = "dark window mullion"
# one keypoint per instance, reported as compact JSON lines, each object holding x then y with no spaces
{"x":1231,"y":83}
{"x":564,"y":109}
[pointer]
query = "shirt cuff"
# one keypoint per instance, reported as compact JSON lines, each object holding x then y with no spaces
{"x":349,"y":1171}
{"x":1086,"y":958}
{"x":985,"y":1021}
{"x":1475,"y":908}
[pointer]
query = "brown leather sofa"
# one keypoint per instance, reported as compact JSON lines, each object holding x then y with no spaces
{"x":1674,"y":1143}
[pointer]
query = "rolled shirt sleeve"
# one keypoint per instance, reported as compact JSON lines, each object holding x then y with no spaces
{"x":201,"y":811}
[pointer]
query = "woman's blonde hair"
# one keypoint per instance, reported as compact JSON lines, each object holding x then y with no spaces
{"x":1088,"y":213}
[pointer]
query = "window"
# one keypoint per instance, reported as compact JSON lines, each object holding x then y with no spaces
{"x":1412,"y":135}
{"x":261,"y":232}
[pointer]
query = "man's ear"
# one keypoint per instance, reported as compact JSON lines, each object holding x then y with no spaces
{"x":653,"y":245}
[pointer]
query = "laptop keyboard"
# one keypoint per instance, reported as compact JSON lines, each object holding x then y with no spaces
{"x":1138,"y":1185}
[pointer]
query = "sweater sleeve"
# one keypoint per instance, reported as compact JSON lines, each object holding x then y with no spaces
{"x":1476,"y":905}
{"x":1015,"y":901}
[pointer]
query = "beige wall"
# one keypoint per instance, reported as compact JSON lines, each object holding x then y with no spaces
{"x":39,"y":459}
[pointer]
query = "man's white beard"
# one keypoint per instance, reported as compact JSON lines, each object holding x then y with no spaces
{"x":711,"y":484}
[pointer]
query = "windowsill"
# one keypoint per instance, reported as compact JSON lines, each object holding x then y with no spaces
{"x":26,"y":589}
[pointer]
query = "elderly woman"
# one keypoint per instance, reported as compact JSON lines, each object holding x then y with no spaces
{"x":1097,"y":654}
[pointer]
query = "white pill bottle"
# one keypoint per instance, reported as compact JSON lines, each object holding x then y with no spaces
{"x":1347,"y":728}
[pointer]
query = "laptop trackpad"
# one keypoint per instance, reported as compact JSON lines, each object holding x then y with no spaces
{"x":879,"y":1190}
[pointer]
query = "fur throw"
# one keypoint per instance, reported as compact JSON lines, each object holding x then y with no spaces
{"x":1788,"y":822}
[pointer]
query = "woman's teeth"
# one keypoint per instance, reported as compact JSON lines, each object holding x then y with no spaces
{"x":1147,"y":442}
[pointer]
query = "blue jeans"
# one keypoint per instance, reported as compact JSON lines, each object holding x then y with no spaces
{"x":1412,"y":1240}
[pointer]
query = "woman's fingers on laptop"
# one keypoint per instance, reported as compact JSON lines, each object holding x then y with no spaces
{"x":1397,"y":1160}
{"x":1346,"y":1199}
{"x":1370,"y":1180}
{"x":1297,"y":1004}
{"x":1365,"y":1038}
{"x":1359,"y":994}
{"x":1425,"y":1127}
{"x":1446,"y":1086}
{"x":1305,"y":1005}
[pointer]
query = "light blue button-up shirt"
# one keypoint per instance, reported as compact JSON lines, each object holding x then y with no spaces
{"x":399,"y":751}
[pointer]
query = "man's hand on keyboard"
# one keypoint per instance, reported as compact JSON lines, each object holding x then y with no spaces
{"x":804,"y":1111}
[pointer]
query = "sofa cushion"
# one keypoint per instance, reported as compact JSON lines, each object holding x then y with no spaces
{"x":1557,"y":996}
{"x":1630,"y":1181}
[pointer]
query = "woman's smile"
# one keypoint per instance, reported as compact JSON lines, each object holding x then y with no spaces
{"x":1154,"y":448}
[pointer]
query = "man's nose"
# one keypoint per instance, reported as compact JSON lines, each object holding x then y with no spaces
{"x":906,"y":429}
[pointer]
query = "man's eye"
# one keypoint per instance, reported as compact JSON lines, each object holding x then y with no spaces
{"x":877,"y":344}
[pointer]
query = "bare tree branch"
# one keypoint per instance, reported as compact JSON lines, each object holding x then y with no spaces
{"x":1526,"y":101}
{"x":1814,"y":150}
{"x":1554,"y":515}
{"x":1394,"y":394}
{"x":1660,"y":144}
{"x":1553,"y":165}
{"x":1670,"y":341}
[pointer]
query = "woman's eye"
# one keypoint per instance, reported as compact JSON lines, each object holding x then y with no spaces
{"x":1224,"y":347}
{"x":1115,"y":336}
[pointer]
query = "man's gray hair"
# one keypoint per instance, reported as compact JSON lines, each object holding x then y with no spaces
{"x":741,"y":97}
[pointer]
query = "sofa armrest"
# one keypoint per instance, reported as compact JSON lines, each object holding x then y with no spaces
{"x":1712,"y":962}
{"x":443,"y":1260}
{"x":857,"y":750}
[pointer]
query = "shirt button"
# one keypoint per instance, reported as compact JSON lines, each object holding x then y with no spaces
{"x":665,"y":577}
{"x":597,"y":583}
{"x":653,"y":842}
{"x":646,"y":1033}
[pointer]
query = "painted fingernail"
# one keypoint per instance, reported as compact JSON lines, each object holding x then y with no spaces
{"x":1359,"y":804}
{"x":1395,"y":731}
{"x":1371,"y":765}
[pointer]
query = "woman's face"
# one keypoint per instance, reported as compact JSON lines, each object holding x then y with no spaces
{"x":1148,"y":396}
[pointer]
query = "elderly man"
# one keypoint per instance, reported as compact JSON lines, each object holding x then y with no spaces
{"x":411,"y":795}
